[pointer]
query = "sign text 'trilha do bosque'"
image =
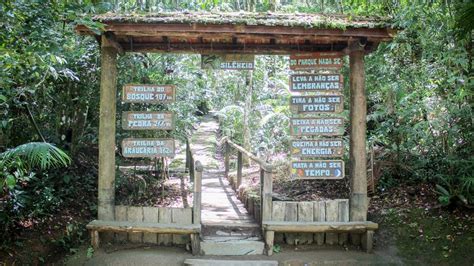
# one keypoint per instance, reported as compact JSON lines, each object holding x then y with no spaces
{"x":318,"y":169}
{"x":316,"y":83}
{"x":144,"y":120}
{"x":148,"y":93}
{"x":153,"y":148}
{"x":317,"y":126}
{"x":317,"y":148}
{"x":316,"y":104}
{"x":228,"y":61}
{"x":323,"y":60}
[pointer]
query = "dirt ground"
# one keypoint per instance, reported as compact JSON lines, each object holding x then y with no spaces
{"x":290,"y":255}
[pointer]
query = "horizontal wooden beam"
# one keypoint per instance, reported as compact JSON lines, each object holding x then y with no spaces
{"x":130,"y":227}
{"x":233,"y":48}
{"x":319,"y":227}
{"x":154,"y":29}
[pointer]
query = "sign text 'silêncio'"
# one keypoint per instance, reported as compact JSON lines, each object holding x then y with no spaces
{"x":227,"y":61}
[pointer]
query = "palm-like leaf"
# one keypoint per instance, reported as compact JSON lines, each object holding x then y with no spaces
{"x":40,"y":155}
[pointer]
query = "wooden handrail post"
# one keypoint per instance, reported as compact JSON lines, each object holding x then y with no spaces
{"x":197,"y":194}
{"x":188,"y":156}
{"x":191,"y":168}
{"x":267,"y":188}
{"x":239,"y":169}
{"x":226,"y":159}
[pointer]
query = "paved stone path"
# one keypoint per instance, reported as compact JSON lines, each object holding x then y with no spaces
{"x":219,"y":202}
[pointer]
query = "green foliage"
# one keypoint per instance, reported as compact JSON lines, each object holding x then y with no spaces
{"x":36,"y":155}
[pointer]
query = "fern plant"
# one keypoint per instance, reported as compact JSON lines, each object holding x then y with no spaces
{"x":28,"y":157}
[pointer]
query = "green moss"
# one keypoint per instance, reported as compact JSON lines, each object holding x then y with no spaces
{"x":245,"y":18}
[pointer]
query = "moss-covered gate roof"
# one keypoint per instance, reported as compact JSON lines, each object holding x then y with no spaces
{"x":243,"y":32}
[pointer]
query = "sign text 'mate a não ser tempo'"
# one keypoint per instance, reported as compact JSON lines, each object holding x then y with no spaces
{"x":316,"y":83}
{"x":317,"y":148}
{"x":318,"y":169}
{"x":147,"y":120}
{"x":317,"y":60}
{"x":317,"y":126}
{"x":148,"y":93}
{"x":317,"y":104}
{"x":147,"y":147}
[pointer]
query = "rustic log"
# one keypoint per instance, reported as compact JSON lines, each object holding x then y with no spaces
{"x":367,"y":241}
{"x":181,"y":216}
{"x":331,"y":216}
{"x":121,"y":215}
{"x":269,"y":236}
{"x":319,"y":216}
{"x":108,"y":88}
{"x":150,"y":215}
{"x":291,"y":215}
{"x":305,"y":214}
{"x":357,"y":151}
{"x":343,"y":216}
{"x":164,"y":217}
{"x":239,"y":169}
{"x":319,"y":227}
{"x":133,"y":227}
{"x":195,"y":244}
{"x":135,"y":214}
{"x":197,"y":193}
{"x":278,"y":214}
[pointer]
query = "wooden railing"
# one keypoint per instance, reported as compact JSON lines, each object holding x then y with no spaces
{"x":266,"y":170}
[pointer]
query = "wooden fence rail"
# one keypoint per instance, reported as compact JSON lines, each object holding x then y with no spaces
{"x":266,"y":169}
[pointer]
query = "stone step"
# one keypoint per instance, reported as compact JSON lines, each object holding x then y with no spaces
{"x":231,"y":246}
{"x":231,"y":229}
{"x":200,"y":262}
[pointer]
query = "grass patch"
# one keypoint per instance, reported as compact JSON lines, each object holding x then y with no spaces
{"x":432,"y":236}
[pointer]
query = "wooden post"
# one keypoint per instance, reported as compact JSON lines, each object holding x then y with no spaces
{"x":358,"y":113}
{"x":226,"y":160}
{"x":108,"y":86}
{"x":239,"y":169}
{"x":188,"y":157}
{"x":197,"y":194}
{"x":269,"y":237}
{"x":267,"y":194}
